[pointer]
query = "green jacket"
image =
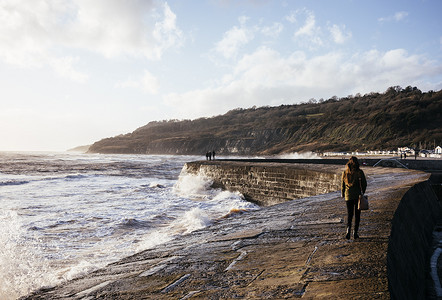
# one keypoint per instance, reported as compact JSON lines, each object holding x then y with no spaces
{"x":352,"y":190}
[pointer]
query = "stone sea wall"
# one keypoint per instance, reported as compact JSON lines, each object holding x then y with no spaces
{"x":418,"y":212}
{"x":269,"y":184}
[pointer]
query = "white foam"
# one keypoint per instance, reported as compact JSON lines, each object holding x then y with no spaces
{"x":152,"y":239}
{"x":299,"y":155}
{"x":192,"y":220}
{"x":81,"y":268}
{"x":191,"y":185}
{"x":22,"y":266}
{"x":226,"y":202}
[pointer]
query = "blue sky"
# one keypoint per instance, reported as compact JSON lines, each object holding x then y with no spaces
{"x":75,"y":71}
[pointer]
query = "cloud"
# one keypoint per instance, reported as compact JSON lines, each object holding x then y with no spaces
{"x":147,"y":83}
{"x":291,"y":18}
{"x":273,"y":31}
{"x":309,"y":27}
{"x":309,"y":33}
{"x":34,"y":33}
{"x":234,"y":39}
{"x":64,"y":66}
{"x":265,"y":77}
{"x":397,"y":17}
{"x":339,"y":34}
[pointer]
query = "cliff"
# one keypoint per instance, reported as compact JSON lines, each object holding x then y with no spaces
{"x":398,"y":117}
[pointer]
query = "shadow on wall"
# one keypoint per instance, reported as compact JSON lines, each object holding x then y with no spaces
{"x":410,"y":246}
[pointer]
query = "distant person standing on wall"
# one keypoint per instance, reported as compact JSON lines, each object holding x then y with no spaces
{"x":353,"y":183}
{"x":213,"y":154}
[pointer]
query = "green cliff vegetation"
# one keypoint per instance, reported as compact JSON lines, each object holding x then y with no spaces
{"x":375,"y":121}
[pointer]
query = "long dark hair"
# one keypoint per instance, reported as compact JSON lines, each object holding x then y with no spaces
{"x":351,"y":170}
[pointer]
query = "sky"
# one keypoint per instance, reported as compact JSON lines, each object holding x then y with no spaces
{"x":75,"y":71}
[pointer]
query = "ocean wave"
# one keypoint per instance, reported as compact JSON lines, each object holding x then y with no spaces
{"x":134,"y":223}
{"x":62,"y":223}
{"x":191,"y":185}
{"x":299,"y":155}
{"x":13,"y":182}
{"x":156,"y":185}
{"x":22,"y":264}
{"x":191,"y":220}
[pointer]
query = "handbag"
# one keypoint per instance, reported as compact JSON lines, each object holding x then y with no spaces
{"x":363,"y":199}
{"x":363,"y":202}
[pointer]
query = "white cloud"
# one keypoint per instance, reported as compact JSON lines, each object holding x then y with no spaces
{"x":291,"y":18}
{"x":339,"y":33}
{"x":234,"y":39}
{"x":397,"y":17}
{"x":309,"y":27}
{"x":266,"y":77}
{"x":309,"y":33}
{"x":166,"y":32}
{"x":273,"y":31}
{"x":147,"y":83}
{"x":33,"y":32}
{"x":65,"y":67}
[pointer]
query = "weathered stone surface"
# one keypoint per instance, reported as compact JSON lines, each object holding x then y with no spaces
{"x":290,"y":250}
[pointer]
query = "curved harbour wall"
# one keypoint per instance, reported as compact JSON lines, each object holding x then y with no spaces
{"x":410,"y":245}
{"x":416,"y":216}
{"x":269,"y":184}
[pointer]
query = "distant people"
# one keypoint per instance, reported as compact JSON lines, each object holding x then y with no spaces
{"x":405,"y":155}
{"x":213,"y":154}
{"x":353,"y":184}
{"x":207,"y":155}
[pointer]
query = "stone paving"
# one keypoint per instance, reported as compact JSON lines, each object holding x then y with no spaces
{"x":295,"y":249}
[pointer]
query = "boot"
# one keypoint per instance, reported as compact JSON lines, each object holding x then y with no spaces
{"x":347,"y":236}
{"x":356,"y":235}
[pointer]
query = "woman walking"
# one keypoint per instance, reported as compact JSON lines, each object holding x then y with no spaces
{"x":353,"y":184}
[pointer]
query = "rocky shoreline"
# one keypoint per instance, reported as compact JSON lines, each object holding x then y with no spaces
{"x":290,"y":250}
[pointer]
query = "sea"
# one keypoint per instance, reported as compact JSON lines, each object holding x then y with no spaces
{"x":63,"y":215}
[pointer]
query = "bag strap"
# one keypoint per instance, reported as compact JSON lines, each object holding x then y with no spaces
{"x":360,"y":185}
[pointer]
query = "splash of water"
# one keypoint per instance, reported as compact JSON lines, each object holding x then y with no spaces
{"x":22,"y":267}
{"x":299,"y":155}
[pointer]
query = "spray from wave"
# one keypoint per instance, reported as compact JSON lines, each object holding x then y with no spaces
{"x":299,"y":155}
{"x":212,"y":203}
{"x":22,"y":268}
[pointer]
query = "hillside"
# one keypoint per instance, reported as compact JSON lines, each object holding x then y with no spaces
{"x":398,"y":117}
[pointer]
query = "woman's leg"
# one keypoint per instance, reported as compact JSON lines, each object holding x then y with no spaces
{"x":357,"y":221}
{"x":350,"y":210}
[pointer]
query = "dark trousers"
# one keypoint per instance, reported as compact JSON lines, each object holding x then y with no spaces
{"x":352,"y":208}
